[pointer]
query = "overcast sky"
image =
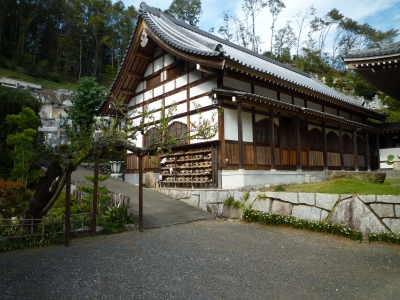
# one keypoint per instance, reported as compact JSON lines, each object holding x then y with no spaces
{"x":381,"y":14}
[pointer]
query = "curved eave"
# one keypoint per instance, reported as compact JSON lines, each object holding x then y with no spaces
{"x":281,"y":81}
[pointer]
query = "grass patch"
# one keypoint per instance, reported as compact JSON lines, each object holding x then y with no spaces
{"x":388,"y":237}
{"x":43,"y":82}
{"x":230,"y":202}
{"x":345,"y":186}
{"x":264,"y":218}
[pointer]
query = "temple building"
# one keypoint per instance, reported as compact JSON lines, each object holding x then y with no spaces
{"x":278,"y":125}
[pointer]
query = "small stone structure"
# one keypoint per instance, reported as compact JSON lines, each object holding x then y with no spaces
{"x":104,"y":168}
{"x":366,"y":213}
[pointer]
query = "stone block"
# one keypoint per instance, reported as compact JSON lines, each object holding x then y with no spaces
{"x":324,"y":215}
{"x":271,"y":195}
{"x":306,"y":212}
{"x":262,"y":205}
{"x":174,"y":194}
{"x":222,"y":195}
{"x":356,"y":215}
{"x":306,"y":198}
{"x":211,"y":197}
{"x":215,"y":209}
{"x":150,"y":180}
{"x":388,"y":199}
{"x":397,"y":210}
{"x":252,"y":197}
{"x":393,"y":224}
{"x":345,"y":196}
{"x":238,"y":196}
{"x":287,"y":197}
{"x":203,"y":200}
{"x":326,"y":201}
{"x":232,"y":212}
{"x":383,"y":210}
{"x":367,"y":198}
{"x":193,"y":200}
{"x":281,"y":208}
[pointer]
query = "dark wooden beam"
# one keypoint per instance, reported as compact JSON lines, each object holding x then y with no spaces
{"x":130,"y":92}
{"x":325,"y":152}
{"x":367,"y":151}
{"x":134,"y":75}
{"x":341,"y":148}
{"x":377,"y":151}
{"x":298,"y":150}
{"x":272,"y":138}
{"x":355,"y":150}
{"x":144,"y":55}
{"x":240,"y":135}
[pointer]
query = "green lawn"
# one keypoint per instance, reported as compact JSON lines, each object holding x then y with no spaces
{"x":346,"y":186}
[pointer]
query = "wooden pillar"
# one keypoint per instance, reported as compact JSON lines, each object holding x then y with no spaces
{"x":367,"y":152}
{"x":140,"y":158}
{"x":298,"y":151}
{"x":377,"y":151}
{"x":272,"y":139}
{"x":253,"y":122}
{"x":341,"y":148}
{"x":95,"y":193}
{"x":221,"y":137}
{"x":67,"y":226}
{"x":240,"y":135}
{"x":355,"y":150}
{"x":324,"y":145}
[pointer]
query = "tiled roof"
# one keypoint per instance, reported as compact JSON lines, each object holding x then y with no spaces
{"x":380,"y":50}
{"x":193,"y":40}
{"x":390,"y":127}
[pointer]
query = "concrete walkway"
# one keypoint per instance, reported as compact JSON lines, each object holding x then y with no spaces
{"x":158,"y":210}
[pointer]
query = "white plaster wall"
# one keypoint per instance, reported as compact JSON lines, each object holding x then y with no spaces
{"x":203,"y":88}
{"x":265,"y":92}
{"x":298,"y":101}
{"x":330,"y":110}
{"x":206,"y":115}
{"x":286,"y":98}
{"x":168,"y":59}
{"x":194,"y":75}
{"x":181,"y":108}
{"x":314,"y":106}
{"x":149,"y":70}
{"x":236,"y":84}
{"x":175,"y":98}
{"x":148,"y":95}
{"x":158,"y":64}
{"x":140,"y":87}
{"x":169,"y":86}
{"x":231,"y":125}
{"x":181,"y":81}
{"x":203,"y":101}
{"x":158,"y":91}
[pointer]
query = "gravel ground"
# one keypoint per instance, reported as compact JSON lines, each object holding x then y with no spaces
{"x":210,"y":259}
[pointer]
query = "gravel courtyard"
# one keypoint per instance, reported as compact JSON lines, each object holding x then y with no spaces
{"x":210,"y":259}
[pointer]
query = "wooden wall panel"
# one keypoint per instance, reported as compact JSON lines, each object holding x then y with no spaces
{"x":304,"y":158}
{"x":333,"y":159}
{"x":232,"y":152}
{"x":131,"y":164}
{"x":248,"y":154}
{"x":285,"y":160}
{"x":316,"y":158}
{"x":348,"y":160}
{"x":361,"y":161}
{"x":263,"y":156}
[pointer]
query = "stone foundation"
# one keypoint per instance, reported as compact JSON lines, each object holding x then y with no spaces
{"x":366,"y":213}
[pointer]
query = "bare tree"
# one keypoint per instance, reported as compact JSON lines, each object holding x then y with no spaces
{"x":285,"y":39}
{"x":300,"y":19}
{"x":275,"y":7}
{"x":252,"y":8}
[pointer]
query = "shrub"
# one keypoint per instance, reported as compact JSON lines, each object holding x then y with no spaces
{"x":280,"y":188}
{"x":55,"y":76}
{"x":114,"y":219}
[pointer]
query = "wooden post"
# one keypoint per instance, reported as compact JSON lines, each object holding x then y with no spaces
{"x":298,"y":153}
{"x":341,"y":148}
{"x":355,"y":150}
{"x":240,"y":135}
{"x":272,"y":139}
{"x":95,"y":193}
{"x":377,"y":152}
{"x":140,"y":158}
{"x":325,"y":150}
{"x":67,"y":228}
{"x":367,"y":152}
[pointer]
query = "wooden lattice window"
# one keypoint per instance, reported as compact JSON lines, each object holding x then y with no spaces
{"x":178,"y":130}
{"x":263,"y":134}
{"x":315,"y":140}
{"x":360,"y":146}
{"x":152,"y":136}
{"x":332,"y":142}
{"x":347,"y":144}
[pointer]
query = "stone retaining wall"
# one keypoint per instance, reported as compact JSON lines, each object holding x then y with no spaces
{"x":366,"y":213}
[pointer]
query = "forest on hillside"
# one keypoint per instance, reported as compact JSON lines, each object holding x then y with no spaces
{"x":69,"y":39}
